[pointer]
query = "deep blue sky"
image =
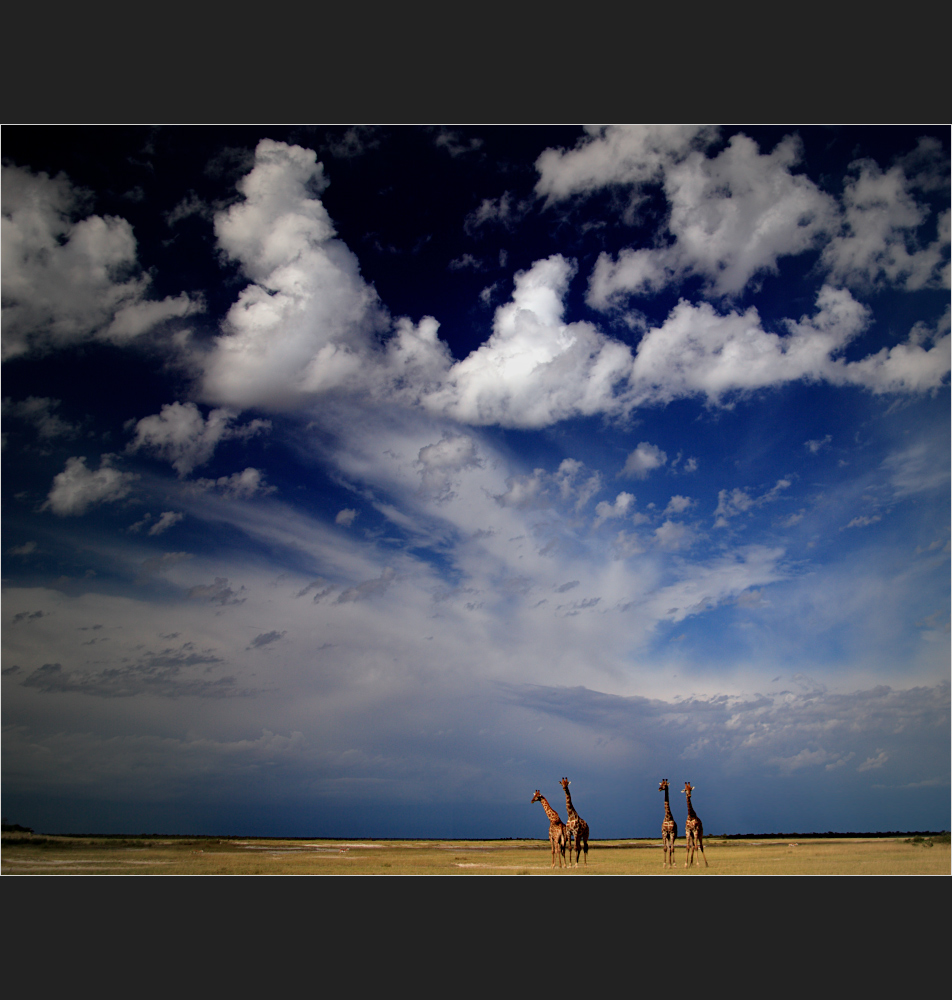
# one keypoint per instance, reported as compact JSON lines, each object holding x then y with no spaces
{"x":360,"y":481}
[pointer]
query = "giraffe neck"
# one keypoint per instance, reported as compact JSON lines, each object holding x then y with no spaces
{"x":667,"y":807}
{"x":549,"y":811}
{"x":569,"y":808}
{"x":691,"y":812}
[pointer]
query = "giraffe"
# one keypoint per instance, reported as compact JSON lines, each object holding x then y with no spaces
{"x":693,"y":832}
{"x":576,"y":826}
{"x":557,"y":832}
{"x":669,"y":829}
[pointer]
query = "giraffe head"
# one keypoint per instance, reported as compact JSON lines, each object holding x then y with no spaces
{"x":663,"y":787}
{"x":688,"y":788}
{"x":537,"y":797}
{"x":565,"y":784}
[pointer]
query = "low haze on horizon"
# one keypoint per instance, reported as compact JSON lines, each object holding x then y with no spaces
{"x":361,"y":481}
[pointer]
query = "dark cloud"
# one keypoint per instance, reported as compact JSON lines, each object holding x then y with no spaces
{"x":320,"y":587}
{"x":354,"y":142}
{"x":265,"y":639}
{"x":785,"y":732}
{"x":218,"y":592}
{"x":27,"y":616}
{"x":164,"y":672}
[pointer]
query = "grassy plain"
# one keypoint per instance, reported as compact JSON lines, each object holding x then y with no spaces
{"x":38,"y":855}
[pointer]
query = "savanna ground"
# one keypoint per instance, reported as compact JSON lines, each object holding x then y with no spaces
{"x":24,"y":854}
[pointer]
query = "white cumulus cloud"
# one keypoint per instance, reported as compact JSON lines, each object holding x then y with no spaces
{"x":242,"y":485}
{"x":678,"y":505}
{"x":77,"y":487}
{"x":309,"y":325}
{"x":732,"y":216}
{"x":879,"y":241}
{"x":183,"y":437}
{"x":735,"y":215}
{"x":535,"y":369}
{"x":643,"y":460}
{"x":698,"y":351}
{"x":67,"y":281}
{"x":303,"y":324}
{"x":615,"y":154}
{"x":605,"y":511}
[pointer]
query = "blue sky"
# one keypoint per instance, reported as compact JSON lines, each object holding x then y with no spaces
{"x":360,"y":481}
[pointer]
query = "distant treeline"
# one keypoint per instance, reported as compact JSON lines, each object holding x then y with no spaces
{"x":939,"y":836}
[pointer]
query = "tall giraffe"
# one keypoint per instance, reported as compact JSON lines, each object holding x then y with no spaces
{"x":576,"y":826}
{"x":557,"y":832}
{"x":693,"y":832}
{"x":669,"y":829}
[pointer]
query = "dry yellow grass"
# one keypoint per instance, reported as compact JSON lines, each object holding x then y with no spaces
{"x":25,"y":855}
